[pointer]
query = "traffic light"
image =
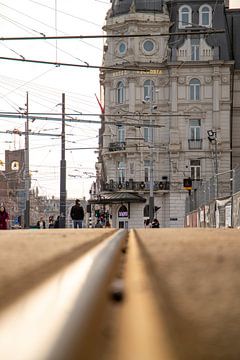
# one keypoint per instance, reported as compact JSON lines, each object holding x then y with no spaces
{"x":187,"y":184}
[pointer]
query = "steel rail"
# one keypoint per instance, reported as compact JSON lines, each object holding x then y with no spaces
{"x":60,"y":318}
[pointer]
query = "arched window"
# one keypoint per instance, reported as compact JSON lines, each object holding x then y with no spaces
{"x":205,"y":16}
{"x":194,"y":89}
{"x":185,"y":16}
{"x":120,"y":92}
{"x":149,"y":90}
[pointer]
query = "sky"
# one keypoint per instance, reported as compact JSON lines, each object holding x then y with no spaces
{"x":45,"y":85}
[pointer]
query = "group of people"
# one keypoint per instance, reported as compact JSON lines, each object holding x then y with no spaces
{"x":77,"y":216}
{"x":153,"y":224}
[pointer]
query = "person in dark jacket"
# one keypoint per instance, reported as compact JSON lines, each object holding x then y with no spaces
{"x":77,"y":214}
{"x":57,"y":222}
{"x":4,"y":218}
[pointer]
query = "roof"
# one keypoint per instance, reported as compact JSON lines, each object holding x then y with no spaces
{"x":117,"y":198}
{"x":120,"y":7}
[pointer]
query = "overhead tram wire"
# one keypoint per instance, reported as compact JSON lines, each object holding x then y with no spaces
{"x":143,"y":114}
{"x":200,"y":31}
{"x":79,"y":121}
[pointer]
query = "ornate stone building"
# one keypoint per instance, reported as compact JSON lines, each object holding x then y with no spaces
{"x":164,"y":89}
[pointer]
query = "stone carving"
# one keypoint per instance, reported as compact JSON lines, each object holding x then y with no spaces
{"x":208,"y":79}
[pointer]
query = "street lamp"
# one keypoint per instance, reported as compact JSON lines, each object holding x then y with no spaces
{"x":148,"y":100}
{"x":212,"y":137}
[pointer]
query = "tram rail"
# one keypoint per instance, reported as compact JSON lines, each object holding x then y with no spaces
{"x":105,"y":294}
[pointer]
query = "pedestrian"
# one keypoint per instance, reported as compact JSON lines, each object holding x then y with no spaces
{"x":98,"y":224}
{"x":107,"y":225}
{"x":77,"y":214}
{"x":51,"y":222}
{"x":41,"y":224}
{"x":4,"y":218}
{"x":155,"y":223}
{"x":147,"y":223}
{"x":57,"y":222}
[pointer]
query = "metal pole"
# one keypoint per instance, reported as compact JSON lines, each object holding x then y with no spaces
{"x":151,"y":195}
{"x":216,"y":164}
{"x":63,"y":171}
{"x":26,"y":172}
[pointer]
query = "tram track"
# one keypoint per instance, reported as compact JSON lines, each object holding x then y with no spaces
{"x":147,"y":294}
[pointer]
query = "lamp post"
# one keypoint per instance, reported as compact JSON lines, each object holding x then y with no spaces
{"x":212,"y":137}
{"x":148,"y":99}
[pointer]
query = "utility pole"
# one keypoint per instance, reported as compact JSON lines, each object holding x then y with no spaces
{"x":151,"y":185}
{"x":26,"y":171}
{"x":63,"y":171}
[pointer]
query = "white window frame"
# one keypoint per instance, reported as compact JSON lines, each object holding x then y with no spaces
{"x":195,"y":169}
{"x":121,"y":133}
{"x":120,"y":92}
{"x":202,"y":12}
{"x":148,"y":90}
{"x":194,"y":129}
{"x":121,"y":171}
{"x":181,"y":13}
{"x":148,"y":131}
{"x":194,"y":89}
{"x":195,"y":50}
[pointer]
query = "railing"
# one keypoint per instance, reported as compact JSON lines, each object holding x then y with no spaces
{"x":195,"y":144}
{"x":131,"y":185}
{"x":219,"y":186}
{"x":117,"y":146}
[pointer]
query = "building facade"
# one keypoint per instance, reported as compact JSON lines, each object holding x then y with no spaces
{"x":169,"y":81}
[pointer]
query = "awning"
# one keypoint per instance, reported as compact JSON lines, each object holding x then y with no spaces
{"x":117,"y":198}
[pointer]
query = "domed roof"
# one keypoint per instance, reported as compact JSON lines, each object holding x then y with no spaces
{"x":120,"y":7}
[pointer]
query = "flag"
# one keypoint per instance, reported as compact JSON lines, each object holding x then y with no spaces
{"x":99,"y":103}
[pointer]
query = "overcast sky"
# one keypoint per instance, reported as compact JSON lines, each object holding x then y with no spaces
{"x":46,"y":83}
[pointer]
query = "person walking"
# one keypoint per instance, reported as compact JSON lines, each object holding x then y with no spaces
{"x":77,"y":214}
{"x":98,"y":224}
{"x":41,"y":224}
{"x":155,"y":223}
{"x":4,"y":218}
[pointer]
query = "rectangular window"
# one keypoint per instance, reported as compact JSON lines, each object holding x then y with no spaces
{"x":146,"y":170}
{"x":194,"y":92}
{"x":195,"y":167}
{"x":148,"y":131}
{"x":195,"y":49}
{"x":121,"y":169}
{"x":121,"y":133}
{"x":195,"y":141}
{"x":195,"y":129}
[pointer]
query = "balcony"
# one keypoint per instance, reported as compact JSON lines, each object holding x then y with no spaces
{"x":117,"y":146}
{"x":131,"y":185}
{"x":195,"y":144}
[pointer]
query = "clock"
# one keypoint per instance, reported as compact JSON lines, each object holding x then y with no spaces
{"x":15,"y":165}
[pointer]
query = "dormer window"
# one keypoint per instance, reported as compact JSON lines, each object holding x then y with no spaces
{"x":185,"y":16}
{"x":205,"y":16}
